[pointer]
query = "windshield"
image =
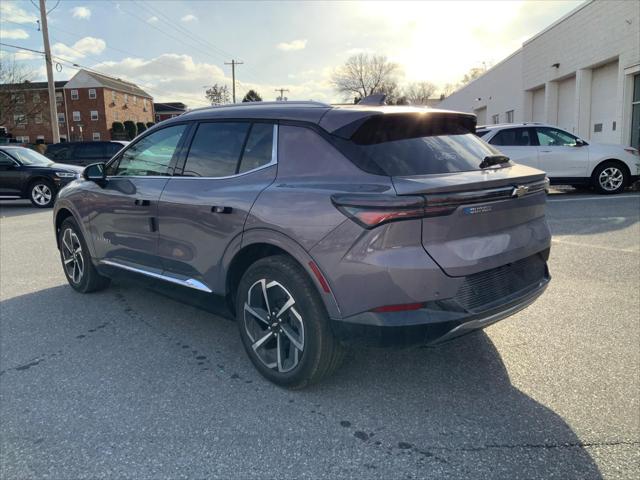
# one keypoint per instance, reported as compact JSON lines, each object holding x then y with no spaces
{"x":29,"y":157}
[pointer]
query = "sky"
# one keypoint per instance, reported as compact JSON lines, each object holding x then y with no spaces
{"x":175,"y":49}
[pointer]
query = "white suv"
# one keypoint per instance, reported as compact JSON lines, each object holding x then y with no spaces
{"x":567,"y":159}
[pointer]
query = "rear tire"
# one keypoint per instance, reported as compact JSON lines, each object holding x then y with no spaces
{"x":76,"y":260}
{"x":610,"y":178}
{"x":42,"y":193}
{"x":284,"y":325}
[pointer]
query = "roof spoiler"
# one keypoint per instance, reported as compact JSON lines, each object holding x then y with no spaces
{"x":375,"y":99}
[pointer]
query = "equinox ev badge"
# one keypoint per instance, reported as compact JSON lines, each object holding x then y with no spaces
{"x":475,"y":210}
{"x":519,"y":191}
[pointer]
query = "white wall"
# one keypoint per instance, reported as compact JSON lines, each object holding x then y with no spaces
{"x":499,"y":90}
{"x":575,"y":73}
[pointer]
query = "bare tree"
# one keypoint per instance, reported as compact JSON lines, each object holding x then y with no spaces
{"x":218,"y":94}
{"x":418,"y":93}
{"x":364,"y":75}
{"x":14,"y":94}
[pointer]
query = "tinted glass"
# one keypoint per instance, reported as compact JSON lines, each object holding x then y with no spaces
{"x":59,"y":153}
{"x":152,"y":155}
{"x":113,"y":148}
{"x":90,"y":151}
{"x":259,"y":147}
{"x":423,"y":155}
{"x":29,"y":157}
{"x":215,"y":150}
{"x":6,"y":159}
{"x":552,"y":137}
{"x":513,"y":137}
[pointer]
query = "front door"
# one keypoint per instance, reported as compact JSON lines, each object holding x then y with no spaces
{"x":125,"y":209}
{"x":202,"y":211}
{"x":11,"y":176}
{"x":561,"y":156}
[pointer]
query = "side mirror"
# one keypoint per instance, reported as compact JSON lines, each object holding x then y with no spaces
{"x":94,"y":173}
{"x":580,"y":142}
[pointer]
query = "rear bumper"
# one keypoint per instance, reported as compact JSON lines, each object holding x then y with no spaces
{"x":437,"y":323}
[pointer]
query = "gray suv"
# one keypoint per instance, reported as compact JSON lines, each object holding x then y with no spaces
{"x":320,"y":225}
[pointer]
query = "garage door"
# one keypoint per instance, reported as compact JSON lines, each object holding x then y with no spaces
{"x":481,"y":113}
{"x":537,"y":107}
{"x":566,"y":104}
{"x":604,"y":88}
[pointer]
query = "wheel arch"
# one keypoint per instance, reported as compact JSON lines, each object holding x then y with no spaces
{"x":261,"y":243}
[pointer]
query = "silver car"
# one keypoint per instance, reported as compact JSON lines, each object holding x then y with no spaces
{"x":320,"y":225}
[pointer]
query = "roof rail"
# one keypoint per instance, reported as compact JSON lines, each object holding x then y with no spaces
{"x":260,"y":104}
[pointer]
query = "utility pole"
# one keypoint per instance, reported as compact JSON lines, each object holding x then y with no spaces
{"x":53,"y":106}
{"x":233,"y":64}
{"x":281,"y":90}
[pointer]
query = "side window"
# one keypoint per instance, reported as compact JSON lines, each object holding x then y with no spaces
{"x":215,"y":150}
{"x":63,"y":153}
{"x":150,"y":156}
{"x":259,"y":147}
{"x":90,"y":151}
{"x":512,"y":137}
{"x":552,"y":137}
{"x":113,"y":148}
{"x":6,"y":160}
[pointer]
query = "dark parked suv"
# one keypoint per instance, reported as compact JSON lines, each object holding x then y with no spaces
{"x":321,"y":225}
{"x":83,"y":153}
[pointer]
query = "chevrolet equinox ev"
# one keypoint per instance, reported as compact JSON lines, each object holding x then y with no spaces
{"x":321,"y":225}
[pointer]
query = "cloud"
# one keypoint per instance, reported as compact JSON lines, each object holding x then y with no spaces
{"x":9,"y":12}
{"x":82,"y":48}
{"x":15,"y":34}
{"x":189,"y":18}
{"x":153,"y":19}
{"x":293,"y":45}
{"x":81,"y":12}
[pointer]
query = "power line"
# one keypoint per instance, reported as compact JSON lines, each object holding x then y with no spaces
{"x":281,"y":90}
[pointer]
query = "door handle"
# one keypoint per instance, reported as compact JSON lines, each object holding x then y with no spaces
{"x":219,"y":209}
{"x":142,"y":203}
{"x":545,"y":151}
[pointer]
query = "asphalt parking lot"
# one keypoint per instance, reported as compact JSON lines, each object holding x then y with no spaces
{"x":128,"y":383}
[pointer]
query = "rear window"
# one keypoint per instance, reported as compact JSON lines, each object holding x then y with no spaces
{"x":512,"y":137}
{"x":417,"y":145}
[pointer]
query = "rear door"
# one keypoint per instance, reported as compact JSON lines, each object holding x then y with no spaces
{"x":227,"y":166}
{"x":12,"y":176}
{"x":518,"y":144}
{"x":560,"y":155}
{"x":124,"y":218}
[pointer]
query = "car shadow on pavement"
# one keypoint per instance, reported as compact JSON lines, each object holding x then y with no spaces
{"x":451,"y":409}
{"x":16,"y":208}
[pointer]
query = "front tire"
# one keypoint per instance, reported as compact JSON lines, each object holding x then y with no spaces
{"x":610,"y":178}
{"x":284,"y":325}
{"x":76,"y":260}
{"x":42,"y":193}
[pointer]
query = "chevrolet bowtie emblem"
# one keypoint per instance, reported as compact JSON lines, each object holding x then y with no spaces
{"x":519,"y":191}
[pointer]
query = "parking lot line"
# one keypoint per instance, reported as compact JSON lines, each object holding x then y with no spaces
{"x":578,"y":199}
{"x":590,"y":245}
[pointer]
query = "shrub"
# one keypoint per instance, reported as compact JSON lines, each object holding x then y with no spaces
{"x":150,"y":124}
{"x":141,"y":127}
{"x":117,"y":127}
{"x":131,"y":129}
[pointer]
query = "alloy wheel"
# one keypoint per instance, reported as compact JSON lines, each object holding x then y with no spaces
{"x":72,"y":256}
{"x":41,"y":194}
{"x":274,"y":325}
{"x":611,"y":178}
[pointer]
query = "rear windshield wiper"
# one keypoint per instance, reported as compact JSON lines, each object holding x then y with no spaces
{"x":491,"y":160}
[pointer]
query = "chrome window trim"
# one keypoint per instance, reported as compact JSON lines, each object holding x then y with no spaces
{"x":189,"y":282}
{"x":274,"y":161}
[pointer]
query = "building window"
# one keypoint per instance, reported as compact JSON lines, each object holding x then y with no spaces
{"x":74,"y":95}
{"x":22,"y":138}
{"x":135,"y":100}
{"x":19,"y":119}
{"x":126,"y":98}
{"x":96,"y":136}
{"x":94,"y":115}
{"x":495,"y":118}
{"x":76,"y":116}
{"x":92,"y":93}
{"x":635,"y":113}
{"x":510,"y":116}
{"x":38,"y":118}
{"x":17,"y":97}
{"x":36,"y":98}
{"x":113,"y":96}
{"x":59,"y":97}
{"x":115,"y":116}
{"x":60,"y":117}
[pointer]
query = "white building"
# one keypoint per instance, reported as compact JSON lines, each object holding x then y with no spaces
{"x":581,"y":73}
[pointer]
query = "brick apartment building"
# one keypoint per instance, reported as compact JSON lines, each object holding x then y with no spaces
{"x":87,"y":106}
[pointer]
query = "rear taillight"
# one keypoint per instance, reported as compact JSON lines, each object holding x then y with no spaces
{"x":631,"y":150}
{"x":369,"y":211}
